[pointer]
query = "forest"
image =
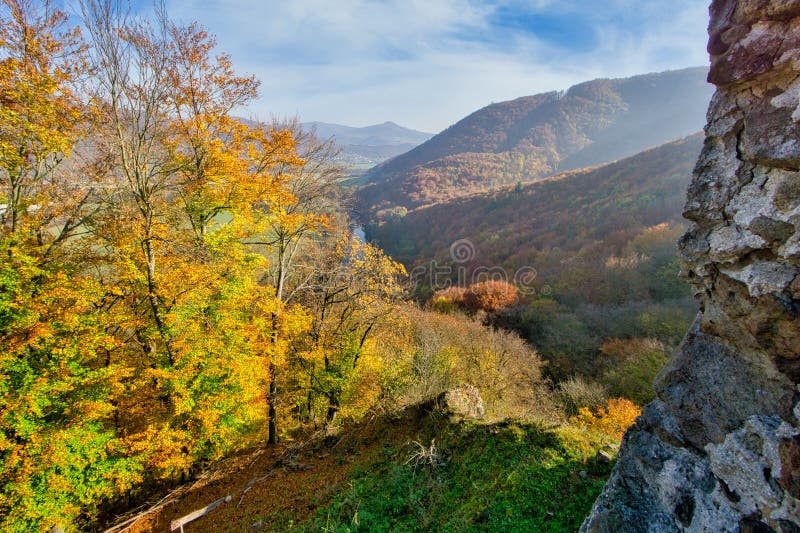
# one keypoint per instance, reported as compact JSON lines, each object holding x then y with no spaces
{"x":179,"y":286}
{"x":604,"y":300}
{"x":166,"y":268}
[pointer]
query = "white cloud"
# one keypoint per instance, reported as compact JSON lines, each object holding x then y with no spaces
{"x":423,"y":63}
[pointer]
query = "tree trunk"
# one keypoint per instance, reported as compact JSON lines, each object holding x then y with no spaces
{"x":333,"y":408}
{"x":273,"y":390}
{"x":152,"y":297}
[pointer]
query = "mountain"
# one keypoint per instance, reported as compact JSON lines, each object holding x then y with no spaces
{"x":535,"y":136}
{"x":542,"y":223}
{"x":365,"y":147}
{"x":386,"y":134}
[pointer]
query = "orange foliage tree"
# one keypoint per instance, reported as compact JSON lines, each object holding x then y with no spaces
{"x":491,"y":296}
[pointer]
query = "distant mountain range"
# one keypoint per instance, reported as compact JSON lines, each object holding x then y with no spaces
{"x":532,"y":137}
{"x":370,"y":145}
{"x":386,"y":134}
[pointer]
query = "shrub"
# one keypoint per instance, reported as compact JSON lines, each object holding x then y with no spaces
{"x":491,"y":296}
{"x":430,"y":353}
{"x":576,"y":392}
{"x":612,"y":420}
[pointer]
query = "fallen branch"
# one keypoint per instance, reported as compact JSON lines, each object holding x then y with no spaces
{"x":250,"y":485}
{"x":163,"y":502}
{"x":170,"y":498}
{"x":194,"y":515}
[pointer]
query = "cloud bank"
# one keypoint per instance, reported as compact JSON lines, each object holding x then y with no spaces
{"x":427,"y":63}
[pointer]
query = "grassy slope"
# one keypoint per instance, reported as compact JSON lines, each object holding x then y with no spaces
{"x":509,"y":476}
{"x":502,"y":477}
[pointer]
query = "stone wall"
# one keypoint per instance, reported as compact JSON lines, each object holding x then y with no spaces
{"x":719,"y":449}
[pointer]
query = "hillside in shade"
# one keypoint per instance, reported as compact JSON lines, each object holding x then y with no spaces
{"x":510,"y":226}
{"x":536,"y":136}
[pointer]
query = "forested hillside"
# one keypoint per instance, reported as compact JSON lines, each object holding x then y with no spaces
{"x":594,"y":249}
{"x":535,"y":136}
{"x":511,"y":225}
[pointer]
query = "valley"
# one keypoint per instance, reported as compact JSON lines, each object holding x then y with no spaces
{"x":532,"y":137}
{"x":574,"y":308}
{"x":600,"y":309}
{"x":362,"y":148}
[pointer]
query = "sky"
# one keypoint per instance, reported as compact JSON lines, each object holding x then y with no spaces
{"x":426,"y":64}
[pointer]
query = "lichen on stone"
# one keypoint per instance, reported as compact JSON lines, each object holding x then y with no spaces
{"x":719,"y":449}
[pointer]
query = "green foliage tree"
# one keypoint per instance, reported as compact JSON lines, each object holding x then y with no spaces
{"x":60,"y":450}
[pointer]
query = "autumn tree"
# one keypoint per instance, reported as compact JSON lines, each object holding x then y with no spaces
{"x":313,"y":199}
{"x":232,"y":170}
{"x":224,"y":165}
{"x":41,"y":63}
{"x":188,"y":186}
{"x":130,"y":60}
{"x":60,"y":454}
{"x":307,"y":208}
{"x":348,"y":299}
{"x":491,"y":296}
{"x":612,"y":420}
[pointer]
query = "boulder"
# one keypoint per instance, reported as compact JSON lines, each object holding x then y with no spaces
{"x":464,"y":401}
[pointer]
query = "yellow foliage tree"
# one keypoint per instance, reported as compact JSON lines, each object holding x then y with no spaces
{"x":41,"y":60}
{"x":353,"y":291}
{"x":613,"y":420}
{"x":189,"y":188}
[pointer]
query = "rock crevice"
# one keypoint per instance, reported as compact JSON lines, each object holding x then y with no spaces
{"x":719,"y":449}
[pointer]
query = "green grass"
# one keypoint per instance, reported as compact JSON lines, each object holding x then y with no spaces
{"x":506,"y":477}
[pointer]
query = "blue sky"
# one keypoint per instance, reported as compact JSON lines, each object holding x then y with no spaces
{"x":427,"y":63}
